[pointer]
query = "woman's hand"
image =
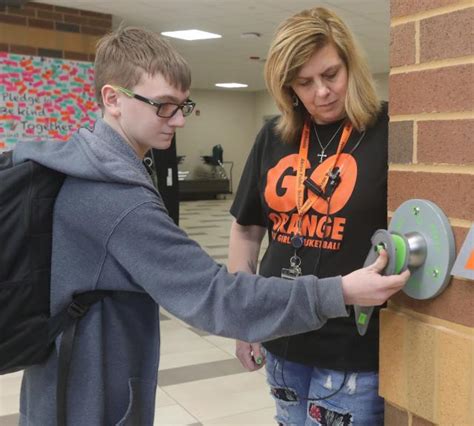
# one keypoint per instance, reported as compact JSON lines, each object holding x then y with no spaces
{"x":250,"y":355}
{"x":244,"y":246}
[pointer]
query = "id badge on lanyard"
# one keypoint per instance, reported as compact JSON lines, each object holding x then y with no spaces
{"x":294,"y":271}
{"x":297,"y":240}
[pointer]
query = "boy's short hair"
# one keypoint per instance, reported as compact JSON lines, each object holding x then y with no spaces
{"x":123,"y":56}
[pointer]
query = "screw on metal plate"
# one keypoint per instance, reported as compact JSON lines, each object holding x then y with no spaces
{"x":416,"y":211}
{"x":435,"y":273}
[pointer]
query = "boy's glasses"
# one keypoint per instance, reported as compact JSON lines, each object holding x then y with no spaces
{"x":163,"y":109}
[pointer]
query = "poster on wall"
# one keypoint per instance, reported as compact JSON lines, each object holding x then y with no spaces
{"x":44,"y":98}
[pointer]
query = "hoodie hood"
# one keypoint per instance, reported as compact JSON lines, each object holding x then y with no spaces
{"x":97,"y":155}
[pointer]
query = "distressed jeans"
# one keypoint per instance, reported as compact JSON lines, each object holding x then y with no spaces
{"x":293,"y":385}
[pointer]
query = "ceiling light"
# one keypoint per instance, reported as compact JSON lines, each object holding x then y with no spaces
{"x":191,"y":35}
{"x":250,"y":35}
{"x":231,"y":85}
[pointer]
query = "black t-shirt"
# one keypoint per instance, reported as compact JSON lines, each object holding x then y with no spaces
{"x":358,"y":207}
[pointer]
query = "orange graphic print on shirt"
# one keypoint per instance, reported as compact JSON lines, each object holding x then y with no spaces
{"x":280,"y":196}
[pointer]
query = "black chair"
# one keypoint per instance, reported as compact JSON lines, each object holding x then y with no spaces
{"x":216,"y":162}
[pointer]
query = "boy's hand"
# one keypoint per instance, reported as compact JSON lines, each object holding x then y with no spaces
{"x":366,"y":287}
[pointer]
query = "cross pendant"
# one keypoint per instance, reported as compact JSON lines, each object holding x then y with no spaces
{"x":321,"y":156}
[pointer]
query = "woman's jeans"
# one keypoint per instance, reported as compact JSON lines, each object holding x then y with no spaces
{"x":293,"y":386}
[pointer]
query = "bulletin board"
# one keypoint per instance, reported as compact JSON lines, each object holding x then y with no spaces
{"x":44,"y":98}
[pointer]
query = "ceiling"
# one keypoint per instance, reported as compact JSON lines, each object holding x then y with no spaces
{"x":227,"y":59}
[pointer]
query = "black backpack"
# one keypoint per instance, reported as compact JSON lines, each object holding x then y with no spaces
{"x":27,"y":331}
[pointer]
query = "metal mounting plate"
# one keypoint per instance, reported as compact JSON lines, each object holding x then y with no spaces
{"x":427,"y":219}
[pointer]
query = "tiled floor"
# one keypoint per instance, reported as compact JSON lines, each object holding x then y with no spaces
{"x":201,"y":381}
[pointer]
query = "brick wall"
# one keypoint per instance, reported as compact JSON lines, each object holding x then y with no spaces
{"x":52,"y":31}
{"x":427,"y":347}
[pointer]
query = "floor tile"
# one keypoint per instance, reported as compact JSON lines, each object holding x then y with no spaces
{"x":173,"y":415}
{"x":11,"y":420}
{"x":200,"y":227}
{"x":10,"y":404}
{"x":199,"y":332}
{"x":176,"y":360}
{"x":222,"y":396}
{"x":220,"y":257}
{"x":196,"y":372}
{"x":10,"y":384}
{"x":226,"y":344}
{"x":163,"y":317}
{"x":178,"y":339}
{"x":263,"y":417}
{"x":162,"y":399}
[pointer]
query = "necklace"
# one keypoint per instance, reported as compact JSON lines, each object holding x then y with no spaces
{"x":322,"y":155}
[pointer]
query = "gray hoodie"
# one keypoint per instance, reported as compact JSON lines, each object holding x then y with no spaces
{"x":112,"y":232}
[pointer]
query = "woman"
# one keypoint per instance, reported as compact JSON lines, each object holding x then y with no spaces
{"x":316,"y":181}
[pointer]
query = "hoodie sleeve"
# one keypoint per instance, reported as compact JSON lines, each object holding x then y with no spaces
{"x":181,"y":277}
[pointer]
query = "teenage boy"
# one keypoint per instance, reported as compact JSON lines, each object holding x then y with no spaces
{"x":112,"y":232}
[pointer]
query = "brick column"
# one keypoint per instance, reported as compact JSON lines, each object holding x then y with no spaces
{"x":52,"y":31}
{"x":427,"y":347}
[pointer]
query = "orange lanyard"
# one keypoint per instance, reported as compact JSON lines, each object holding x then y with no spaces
{"x":301,"y":205}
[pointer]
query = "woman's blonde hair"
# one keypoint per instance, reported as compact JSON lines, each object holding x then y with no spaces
{"x":296,"y":40}
{"x":125,"y":55}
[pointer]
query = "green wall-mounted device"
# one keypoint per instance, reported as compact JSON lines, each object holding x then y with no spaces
{"x":419,"y":238}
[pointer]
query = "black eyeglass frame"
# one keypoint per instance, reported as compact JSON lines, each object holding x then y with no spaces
{"x":189,"y":104}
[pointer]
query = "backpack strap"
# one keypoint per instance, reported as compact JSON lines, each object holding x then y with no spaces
{"x":6,"y":160}
{"x":69,"y":318}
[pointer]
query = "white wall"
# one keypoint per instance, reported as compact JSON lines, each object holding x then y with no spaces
{"x":381,"y":81}
{"x":264,"y":107}
{"x":226,"y":118}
